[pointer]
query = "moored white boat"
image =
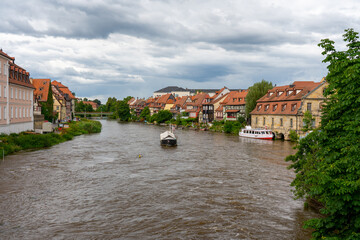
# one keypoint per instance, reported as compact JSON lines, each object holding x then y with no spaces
{"x":256,"y":133}
{"x":168,"y":138}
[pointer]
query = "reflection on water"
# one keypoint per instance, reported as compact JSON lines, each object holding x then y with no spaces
{"x":211,"y":186}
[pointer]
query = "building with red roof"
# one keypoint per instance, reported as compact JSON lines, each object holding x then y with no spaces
{"x":234,"y":105}
{"x":69,"y":99}
{"x":282,"y":108}
{"x":211,"y":103}
{"x":16,"y":97}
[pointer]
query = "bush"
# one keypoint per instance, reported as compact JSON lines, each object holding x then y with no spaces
{"x":294,"y":137}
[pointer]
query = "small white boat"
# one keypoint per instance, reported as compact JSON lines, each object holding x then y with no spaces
{"x":168,"y":138}
{"x":256,"y":133}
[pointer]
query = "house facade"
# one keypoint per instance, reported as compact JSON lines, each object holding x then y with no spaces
{"x":210,"y":104}
{"x":69,"y":99}
{"x":16,"y":97}
{"x":282,"y":108}
{"x":234,"y":105}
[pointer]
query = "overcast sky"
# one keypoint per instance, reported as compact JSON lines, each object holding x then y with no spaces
{"x":117,"y":48}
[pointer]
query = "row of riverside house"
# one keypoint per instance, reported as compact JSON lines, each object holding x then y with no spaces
{"x":281,"y":109}
{"x":21,"y":98}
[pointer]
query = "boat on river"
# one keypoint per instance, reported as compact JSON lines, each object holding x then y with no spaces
{"x":168,"y":138}
{"x":256,"y":133}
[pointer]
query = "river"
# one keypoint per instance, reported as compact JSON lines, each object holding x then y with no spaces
{"x":121,"y":184}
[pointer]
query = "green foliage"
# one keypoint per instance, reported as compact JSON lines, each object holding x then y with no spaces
{"x":307,"y":120}
{"x":233,"y":127}
{"x":123,"y":110}
{"x":97,"y":101}
{"x":256,"y":91}
{"x":327,"y":162}
{"x":163,"y":116}
{"x":82,"y":107}
{"x":145,"y":113}
{"x":294,"y":137}
{"x":47,"y":108}
{"x":24,"y":141}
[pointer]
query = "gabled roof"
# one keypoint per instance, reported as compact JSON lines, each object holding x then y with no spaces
{"x":235,"y":98}
{"x":41,"y":89}
{"x":291,"y":92}
{"x":63,"y":89}
{"x":162,"y":99}
{"x":6,"y":56}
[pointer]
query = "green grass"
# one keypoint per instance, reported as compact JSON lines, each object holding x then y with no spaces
{"x":24,"y":141}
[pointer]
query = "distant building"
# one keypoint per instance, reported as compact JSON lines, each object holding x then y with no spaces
{"x":16,"y":97}
{"x":69,"y":99}
{"x":93,"y":104}
{"x":180,"y":92}
{"x":210,"y":104}
{"x":234,"y":105}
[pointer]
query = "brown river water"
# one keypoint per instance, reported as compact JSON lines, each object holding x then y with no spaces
{"x":211,"y":186}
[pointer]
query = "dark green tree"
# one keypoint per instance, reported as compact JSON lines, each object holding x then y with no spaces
{"x":97,"y":101}
{"x":163,"y":116}
{"x":47,"y":108}
{"x":308,"y":121}
{"x":327,"y":161}
{"x":123,"y":110}
{"x":145,"y":113}
{"x":256,"y":91}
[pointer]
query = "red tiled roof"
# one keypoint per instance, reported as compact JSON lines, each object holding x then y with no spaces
{"x":41,"y":89}
{"x":19,"y":76}
{"x":162,"y":99}
{"x":93,"y":104}
{"x":277,"y":108}
{"x":7,"y":56}
{"x":235,"y":98}
{"x":232,"y":110}
{"x":63,"y":89}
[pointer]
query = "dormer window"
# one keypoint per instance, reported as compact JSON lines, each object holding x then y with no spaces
{"x":279,"y":93}
{"x":298,"y":90}
{"x":259,"y":107}
{"x":289,"y":92}
{"x":267,"y":107}
{"x":293,"y":107}
{"x":239,"y":99}
{"x":234,"y":99}
{"x":275,"y":107}
{"x":283,"y":107}
{"x":270,"y":93}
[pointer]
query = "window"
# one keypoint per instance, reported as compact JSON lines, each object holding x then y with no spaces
{"x":20,"y":112}
{"x":264,"y":121}
{"x":279,"y":93}
{"x":283,"y":107}
{"x":5,"y":70}
{"x":256,"y":121}
{"x":297,"y":91}
{"x":5,"y":113}
{"x":270,"y":93}
{"x":16,"y":93}
{"x":291,"y":122}
{"x":12,"y":113}
{"x":274,"y":107}
{"x":259,"y":107}
{"x":0,"y":112}
{"x":12,"y":93}
{"x":267,"y":107}
{"x":272,"y":121}
{"x":309,"y":107}
{"x":281,"y":122}
{"x":239,"y":99}
{"x":293,"y":107}
{"x":5,"y":92}
{"x":16,"y":112}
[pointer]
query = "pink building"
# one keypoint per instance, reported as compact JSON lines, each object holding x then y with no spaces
{"x":16,"y":97}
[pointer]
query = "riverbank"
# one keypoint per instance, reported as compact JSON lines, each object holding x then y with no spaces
{"x":29,"y":140}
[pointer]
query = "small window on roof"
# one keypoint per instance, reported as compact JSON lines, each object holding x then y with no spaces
{"x":259,"y":107}
{"x":293,"y":107}
{"x":298,"y":90}
{"x":270,"y":93}
{"x":267,"y":107}
{"x":279,"y":93}
{"x":283,"y":107}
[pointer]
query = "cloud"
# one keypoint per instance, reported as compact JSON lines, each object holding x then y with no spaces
{"x":122,"y":47}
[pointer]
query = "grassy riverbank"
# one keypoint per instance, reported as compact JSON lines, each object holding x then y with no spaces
{"x":24,"y":141}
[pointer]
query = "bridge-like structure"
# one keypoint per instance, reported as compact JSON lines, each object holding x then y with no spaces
{"x":100,"y":115}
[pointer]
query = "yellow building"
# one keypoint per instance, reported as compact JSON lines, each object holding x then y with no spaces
{"x":282,"y":108}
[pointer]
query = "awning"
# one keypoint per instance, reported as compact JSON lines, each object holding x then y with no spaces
{"x":232,"y":111}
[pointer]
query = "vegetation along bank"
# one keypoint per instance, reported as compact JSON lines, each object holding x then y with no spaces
{"x":28,"y":140}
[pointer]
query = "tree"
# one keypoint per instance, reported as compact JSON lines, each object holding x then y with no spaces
{"x":97,"y":101}
{"x":308,"y":121}
{"x":163,"y":116}
{"x":123,"y":110}
{"x":145,"y":113}
{"x":47,"y":108}
{"x":256,"y":91}
{"x":327,"y":161}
